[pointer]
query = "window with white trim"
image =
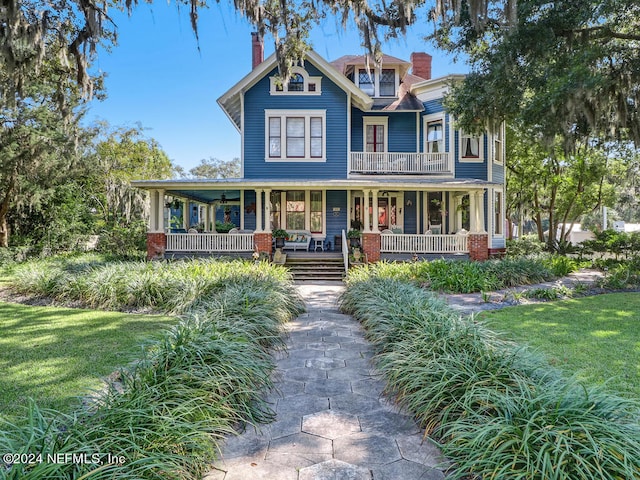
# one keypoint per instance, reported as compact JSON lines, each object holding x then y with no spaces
{"x":470,"y":148}
{"x":378,"y":82}
{"x":375,"y":134}
{"x":435,"y":137}
{"x":300,"y":83}
{"x":497,"y":212}
{"x":498,"y":145}
{"x":294,"y":135}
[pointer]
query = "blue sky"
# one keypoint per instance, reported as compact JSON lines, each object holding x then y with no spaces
{"x":157,"y":77}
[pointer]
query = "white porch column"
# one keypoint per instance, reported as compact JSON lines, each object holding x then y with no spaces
{"x":185,"y":214}
{"x":443,"y":208}
{"x":267,"y":210}
{"x":258,"y":210}
{"x":453,"y":213}
{"x":367,"y":223}
{"x":214,"y":210}
{"x":473,"y":213}
{"x":241,"y":212}
{"x":153,"y":205}
{"x":480,"y":211}
{"x":375,"y":211}
{"x":418,"y":212}
{"x":160,"y":212}
{"x":426,"y":223}
{"x":349,"y":207}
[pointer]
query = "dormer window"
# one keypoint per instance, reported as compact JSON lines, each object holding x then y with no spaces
{"x":378,"y":83}
{"x":388,"y":83}
{"x":300,"y":83}
{"x":296,"y":83}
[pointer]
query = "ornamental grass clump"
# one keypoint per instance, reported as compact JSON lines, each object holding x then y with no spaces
{"x":166,"y":415}
{"x":497,"y":409}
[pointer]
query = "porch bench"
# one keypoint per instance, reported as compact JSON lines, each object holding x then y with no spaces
{"x":297,"y":240}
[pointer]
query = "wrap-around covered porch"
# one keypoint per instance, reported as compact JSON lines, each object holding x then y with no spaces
{"x":394,"y":217}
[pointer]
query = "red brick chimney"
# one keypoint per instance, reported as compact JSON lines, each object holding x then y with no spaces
{"x":257,"y":50}
{"x":421,"y":65}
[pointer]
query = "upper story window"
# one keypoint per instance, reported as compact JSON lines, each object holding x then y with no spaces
{"x":435,"y":137}
{"x":378,"y":83}
{"x":375,"y":134}
{"x":470,"y":148}
{"x":295,"y":135}
{"x":388,"y":82}
{"x":300,"y":83}
{"x":498,"y":145}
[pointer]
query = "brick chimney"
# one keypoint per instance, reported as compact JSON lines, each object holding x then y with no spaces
{"x":421,"y":65}
{"x":257,"y":50}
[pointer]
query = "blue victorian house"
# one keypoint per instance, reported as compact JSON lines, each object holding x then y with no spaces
{"x":341,"y":145}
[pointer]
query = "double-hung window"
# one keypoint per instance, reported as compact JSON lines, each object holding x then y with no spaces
{"x":295,"y":135}
{"x":498,"y":145}
{"x":470,"y":148}
{"x":435,"y":139}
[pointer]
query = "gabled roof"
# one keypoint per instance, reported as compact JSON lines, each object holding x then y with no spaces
{"x":344,"y":63}
{"x":231,"y":101}
{"x":405,"y":101}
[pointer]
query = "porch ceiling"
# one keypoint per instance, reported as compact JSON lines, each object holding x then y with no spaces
{"x":209,"y":191}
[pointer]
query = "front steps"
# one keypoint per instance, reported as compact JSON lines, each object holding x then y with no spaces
{"x":324,"y":266}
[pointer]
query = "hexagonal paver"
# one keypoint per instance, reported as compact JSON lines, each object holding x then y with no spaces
{"x":388,"y":423}
{"x":286,"y":424}
{"x":240,"y":469}
{"x":304,"y":374}
{"x":322,"y":346}
{"x":327,"y":388}
{"x":338,"y":339}
{"x":406,"y":470}
{"x":301,"y":443}
{"x":301,"y":405}
{"x":354,"y":403}
{"x":346,"y":353}
{"x":330,"y":424}
{"x":419,"y":449}
{"x":324,"y":363}
{"x":334,"y":470}
{"x":365,"y":449}
{"x":371,"y":386}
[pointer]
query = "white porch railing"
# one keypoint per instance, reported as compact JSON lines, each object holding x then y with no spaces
{"x":423,"y":243}
{"x":401,"y":163}
{"x":210,"y":242}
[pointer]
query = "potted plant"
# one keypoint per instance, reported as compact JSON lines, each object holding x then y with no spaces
{"x":354,"y":237}
{"x":279,"y":234}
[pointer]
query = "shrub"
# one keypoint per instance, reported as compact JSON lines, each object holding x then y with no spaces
{"x":498,"y":410}
{"x":197,"y":384}
{"x":525,"y":246}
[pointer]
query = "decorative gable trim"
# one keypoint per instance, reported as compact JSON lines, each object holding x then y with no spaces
{"x":308,"y":86}
{"x":231,"y":103}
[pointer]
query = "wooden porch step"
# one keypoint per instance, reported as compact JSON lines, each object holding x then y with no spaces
{"x":316,"y":267}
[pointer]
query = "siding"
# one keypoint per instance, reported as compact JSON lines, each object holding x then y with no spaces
{"x":470,"y":169}
{"x":333,"y":99}
{"x":498,"y":173}
{"x":401,"y":136}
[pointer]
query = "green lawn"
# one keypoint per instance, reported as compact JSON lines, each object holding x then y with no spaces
{"x":54,"y":355}
{"x":597,"y":338}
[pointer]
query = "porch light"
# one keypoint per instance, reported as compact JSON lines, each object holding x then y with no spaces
{"x":223,"y":198}
{"x":409,"y":202}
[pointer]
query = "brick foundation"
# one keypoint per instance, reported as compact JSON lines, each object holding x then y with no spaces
{"x":371,"y":246}
{"x":262,"y":242}
{"x":478,"y":244}
{"x":156,"y":245}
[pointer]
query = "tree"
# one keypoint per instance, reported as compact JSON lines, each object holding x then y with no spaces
{"x":38,"y":145}
{"x":122,"y":155}
{"x":566,"y":68}
{"x":216,"y":168}
{"x":554,"y":188}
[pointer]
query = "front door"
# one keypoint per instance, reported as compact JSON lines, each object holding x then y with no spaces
{"x":389,"y":211}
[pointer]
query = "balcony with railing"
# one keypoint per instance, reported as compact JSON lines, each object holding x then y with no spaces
{"x":396,"y":163}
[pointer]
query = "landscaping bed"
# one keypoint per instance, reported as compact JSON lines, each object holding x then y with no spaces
{"x":164,"y":416}
{"x":497,"y":409}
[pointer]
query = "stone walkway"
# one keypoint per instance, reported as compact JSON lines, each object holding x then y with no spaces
{"x":332,"y":421}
